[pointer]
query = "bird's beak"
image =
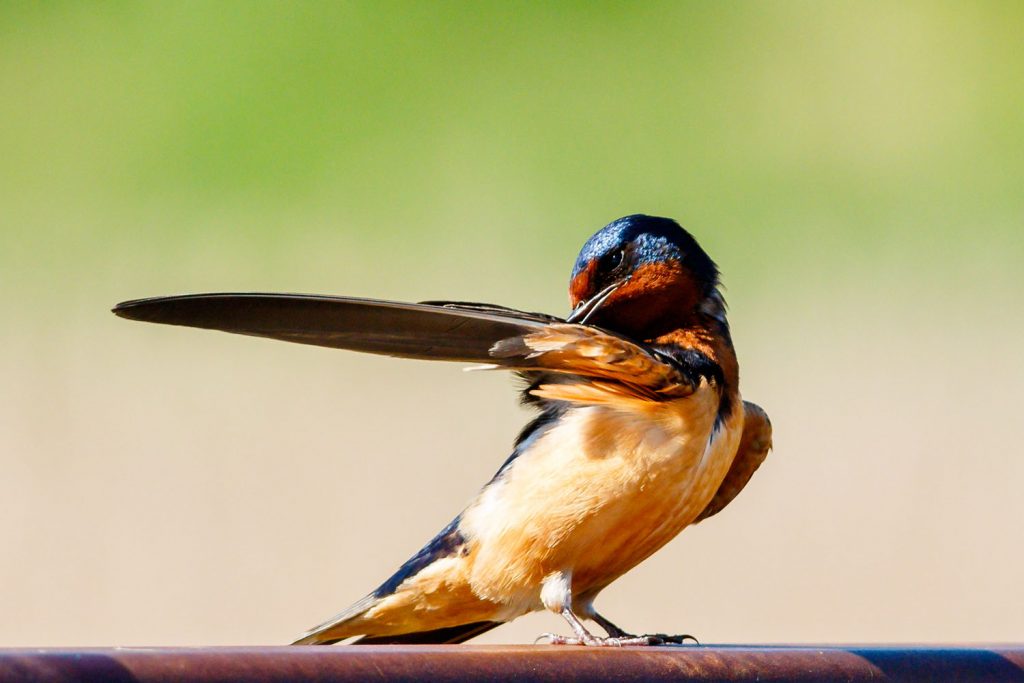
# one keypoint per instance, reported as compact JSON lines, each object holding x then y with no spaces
{"x":585,"y":309}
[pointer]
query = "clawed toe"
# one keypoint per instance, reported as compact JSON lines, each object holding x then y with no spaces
{"x":596,"y":641}
{"x":555,"y":639}
{"x":632,"y":640}
{"x":665,"y":639}
{"x":616,"y":636}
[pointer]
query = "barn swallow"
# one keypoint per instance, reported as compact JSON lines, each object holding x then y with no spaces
{"x":641,"y":431}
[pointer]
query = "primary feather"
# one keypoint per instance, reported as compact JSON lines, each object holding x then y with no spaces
{"x":452,"y":332}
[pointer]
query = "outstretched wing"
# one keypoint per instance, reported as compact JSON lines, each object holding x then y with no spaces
{"x":453,"y":331}
{"x":753,"y":449}
{"x":435,"y":331}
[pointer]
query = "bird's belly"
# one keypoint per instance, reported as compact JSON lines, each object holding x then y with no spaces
{"x":598,"y":494}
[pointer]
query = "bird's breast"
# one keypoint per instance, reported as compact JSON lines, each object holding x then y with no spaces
{"x":597,"y":493}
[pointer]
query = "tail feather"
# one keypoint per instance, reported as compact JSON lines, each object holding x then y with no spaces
{"x":341,"y":626}
{"x":350,"y":623}
{"x":441,"y":636}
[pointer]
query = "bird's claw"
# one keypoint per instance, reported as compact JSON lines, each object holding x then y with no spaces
{"x":596,"y":641}
{"x":666,"y":639}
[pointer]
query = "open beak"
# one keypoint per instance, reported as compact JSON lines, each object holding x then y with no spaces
{"x":585,"y":309}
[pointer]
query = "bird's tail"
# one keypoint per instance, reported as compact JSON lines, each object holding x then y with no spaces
{"x":341,"y":626}
{"x":351,"y":622}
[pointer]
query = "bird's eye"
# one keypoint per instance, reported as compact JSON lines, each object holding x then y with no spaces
{"x":611,"y":260}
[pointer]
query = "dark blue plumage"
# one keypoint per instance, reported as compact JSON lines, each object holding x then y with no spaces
{"x":448,"y":543}
{"x":649,"y":239}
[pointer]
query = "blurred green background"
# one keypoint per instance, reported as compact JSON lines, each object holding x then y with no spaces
{"x":854,"y":168}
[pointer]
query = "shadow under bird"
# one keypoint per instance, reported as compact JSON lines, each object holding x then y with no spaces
{"x":641,"y":431}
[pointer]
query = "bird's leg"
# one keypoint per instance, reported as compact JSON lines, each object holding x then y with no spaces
{"x":655,"y":638}
{"x":556,"y":595}
{"x":585,"y":637}
{"x":610,"y":628}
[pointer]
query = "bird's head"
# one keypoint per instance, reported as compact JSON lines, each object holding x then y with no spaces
{"x":643,"y":276}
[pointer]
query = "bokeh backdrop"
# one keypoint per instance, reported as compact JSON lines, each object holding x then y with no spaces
{"x":854,"y":167}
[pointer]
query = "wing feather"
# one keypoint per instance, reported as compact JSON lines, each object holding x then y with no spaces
{"x":614,"y":366}
{"x":443,"y":331}
{"x":755,"y":443}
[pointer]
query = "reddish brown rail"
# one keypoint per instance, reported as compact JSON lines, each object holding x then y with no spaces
{"x":519,"y":663}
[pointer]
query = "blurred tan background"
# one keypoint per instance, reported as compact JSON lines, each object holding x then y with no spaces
{"x":855,"y":169}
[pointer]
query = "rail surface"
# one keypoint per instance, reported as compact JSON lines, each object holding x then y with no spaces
{"x":519,"y":663}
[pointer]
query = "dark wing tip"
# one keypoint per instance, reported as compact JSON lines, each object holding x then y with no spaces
{"x":427,"y":331}
{"x":160,"y":309}
{"x":131,"y":310}
{"x":203,"y":310}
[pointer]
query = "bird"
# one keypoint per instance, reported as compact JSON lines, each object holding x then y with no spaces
{"x":640,"y":431}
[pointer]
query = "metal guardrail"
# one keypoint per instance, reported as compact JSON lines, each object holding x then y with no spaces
{"x":519,"y":663}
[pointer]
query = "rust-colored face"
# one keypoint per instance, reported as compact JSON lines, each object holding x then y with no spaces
{"x":650,"y":300}
{"x":582,"y":286}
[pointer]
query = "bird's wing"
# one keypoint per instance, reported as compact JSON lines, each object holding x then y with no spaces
{"x":614,"y":367}
{"x":453,"y":331}
{"x":752,"y":451}
{"x":495,"y":309}
{"x":437,"y":331}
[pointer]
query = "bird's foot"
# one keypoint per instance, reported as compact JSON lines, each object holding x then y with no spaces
{"x":597,"y":641}
{"x":666,"y":639}
{"x":652,"y":638}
